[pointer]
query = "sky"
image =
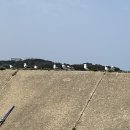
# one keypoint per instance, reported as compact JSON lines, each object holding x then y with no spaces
{"x":67,"y":31}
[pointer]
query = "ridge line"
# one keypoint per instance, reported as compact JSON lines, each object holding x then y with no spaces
{"x":9,"y":79}
{"x":88,"y":101}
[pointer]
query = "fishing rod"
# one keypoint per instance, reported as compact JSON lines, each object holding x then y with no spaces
{"x":4,"y":117}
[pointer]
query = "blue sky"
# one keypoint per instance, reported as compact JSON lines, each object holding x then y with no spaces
{"x":68,"y":31}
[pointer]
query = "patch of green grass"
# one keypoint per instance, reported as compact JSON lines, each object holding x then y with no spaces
{"x":74,"y":128}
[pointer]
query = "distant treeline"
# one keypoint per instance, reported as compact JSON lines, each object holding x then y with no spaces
{"x":30,"y":62}
{"x":96,"y":67}
{"x":45,"y":64}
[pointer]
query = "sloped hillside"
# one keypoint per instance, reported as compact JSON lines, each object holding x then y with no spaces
{"x":5,"y":77}
{"x":61,"y":100}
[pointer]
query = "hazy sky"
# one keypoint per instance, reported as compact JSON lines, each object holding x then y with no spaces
{"x":72,"y":31}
